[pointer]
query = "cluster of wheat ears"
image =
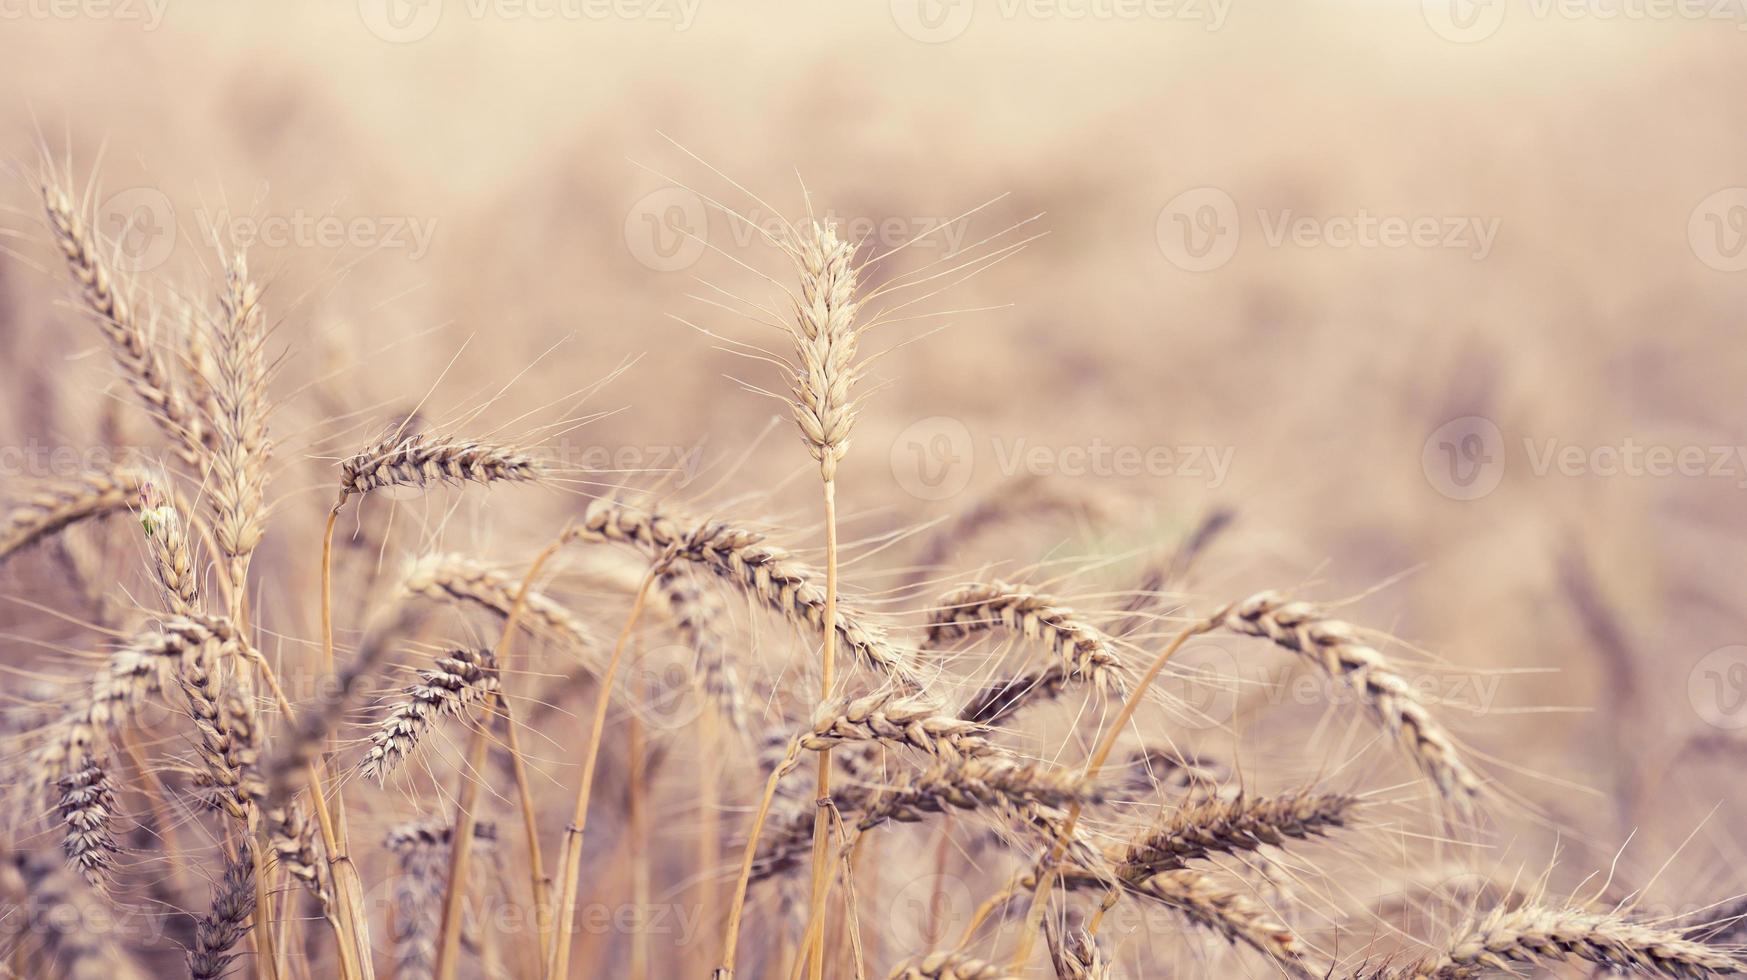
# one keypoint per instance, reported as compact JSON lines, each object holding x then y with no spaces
{"x":181,"y":754}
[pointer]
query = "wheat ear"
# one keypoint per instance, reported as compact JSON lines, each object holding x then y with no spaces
{"x":85,"y":808}
{"x":57,"y":507}
{"x":128,"y":339}
{"x":457,"y":578}
{"x":454,"y":682}
{"x":1335,"y":648}
{"x":1076,"y":955}
{"x":949,"y":966}
{"x":1081,"y":647}
{"x":770,"y":574}
{"x":218,"y":931}
{"x":890,"y":719}
{"x":698,"y":617}
{"x":239,"y":421}
{"x":420,"y":460}
{"x":1507,"y":938}
{"x":422,"y":851}
{"x":1230,"y":826}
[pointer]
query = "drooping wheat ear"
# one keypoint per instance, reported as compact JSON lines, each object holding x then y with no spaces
{"x":1506,"y":939}
{"x":172,"y":555}
{"x":54,"y":508}
{"x":1001,"y":699}
{"x":293,"y":836}
{"x":698,"y":616}
{"x":85,"y":809}
{"x":1230,"y":913}
{"x":1151,"y":768}
{"x":1082,"y":647}
{"x":455,"y":681}
{"x":950,"y":966}
{"x":128,"y":340}
{"x":781,"y":582}
{"x":1076,"y":955}
{"x":422,"y":850}
{"x":1013,"y":500}
{"x":891,"y":719}
{"x":1229,"y":826}
{"x":229,"y":738}
{"x":972,"y":784}
{"x":1336,"y":648}
{"x":420,"y":460}
{"x":218,"y":931}
{"x":826,"y":335}
{"x":239,"y":422}
{"x":145,"y":665}
{"x":456,"y":578}
{"x":55,"y":911}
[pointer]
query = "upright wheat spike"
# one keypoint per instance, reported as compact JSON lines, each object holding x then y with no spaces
{"x":229,"y":744}
{"x":1229,"y":826}
{"x":59,"y":506}
{"x":453,"y":683}
{"x":239,"y":421}
{"x":293,"y":837}
{"x":1081,"y":647}
{"x":172,"y":555}
{"x":217,"y":932}
{"x":1335,"y":648}
{"x":128,"y":339}
{"x":781,"y":582}
{"x":1076,"y":955}
{"x":1509,"y":938}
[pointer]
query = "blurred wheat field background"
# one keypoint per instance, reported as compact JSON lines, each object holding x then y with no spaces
{"x":1421,"y":312}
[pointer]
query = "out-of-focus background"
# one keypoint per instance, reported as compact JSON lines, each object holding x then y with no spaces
{"x":1442,"y":300}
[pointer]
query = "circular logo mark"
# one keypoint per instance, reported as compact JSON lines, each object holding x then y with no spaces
{"x":1717,"y":687}
{"x":932,"y":21}
{"x":141,"y":225}
{"x":1717,"y":230}
{"x":1198,"y":230}
{"x":1201,"y":686}
{"x":401,"y":21}
{"x":1464,"y":458}
{"x":930,"y":912}
{"x":668,"y":687}
{"x":666,"y":229}
{"x":933,"y":459}
{"x":1464,"y":21}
